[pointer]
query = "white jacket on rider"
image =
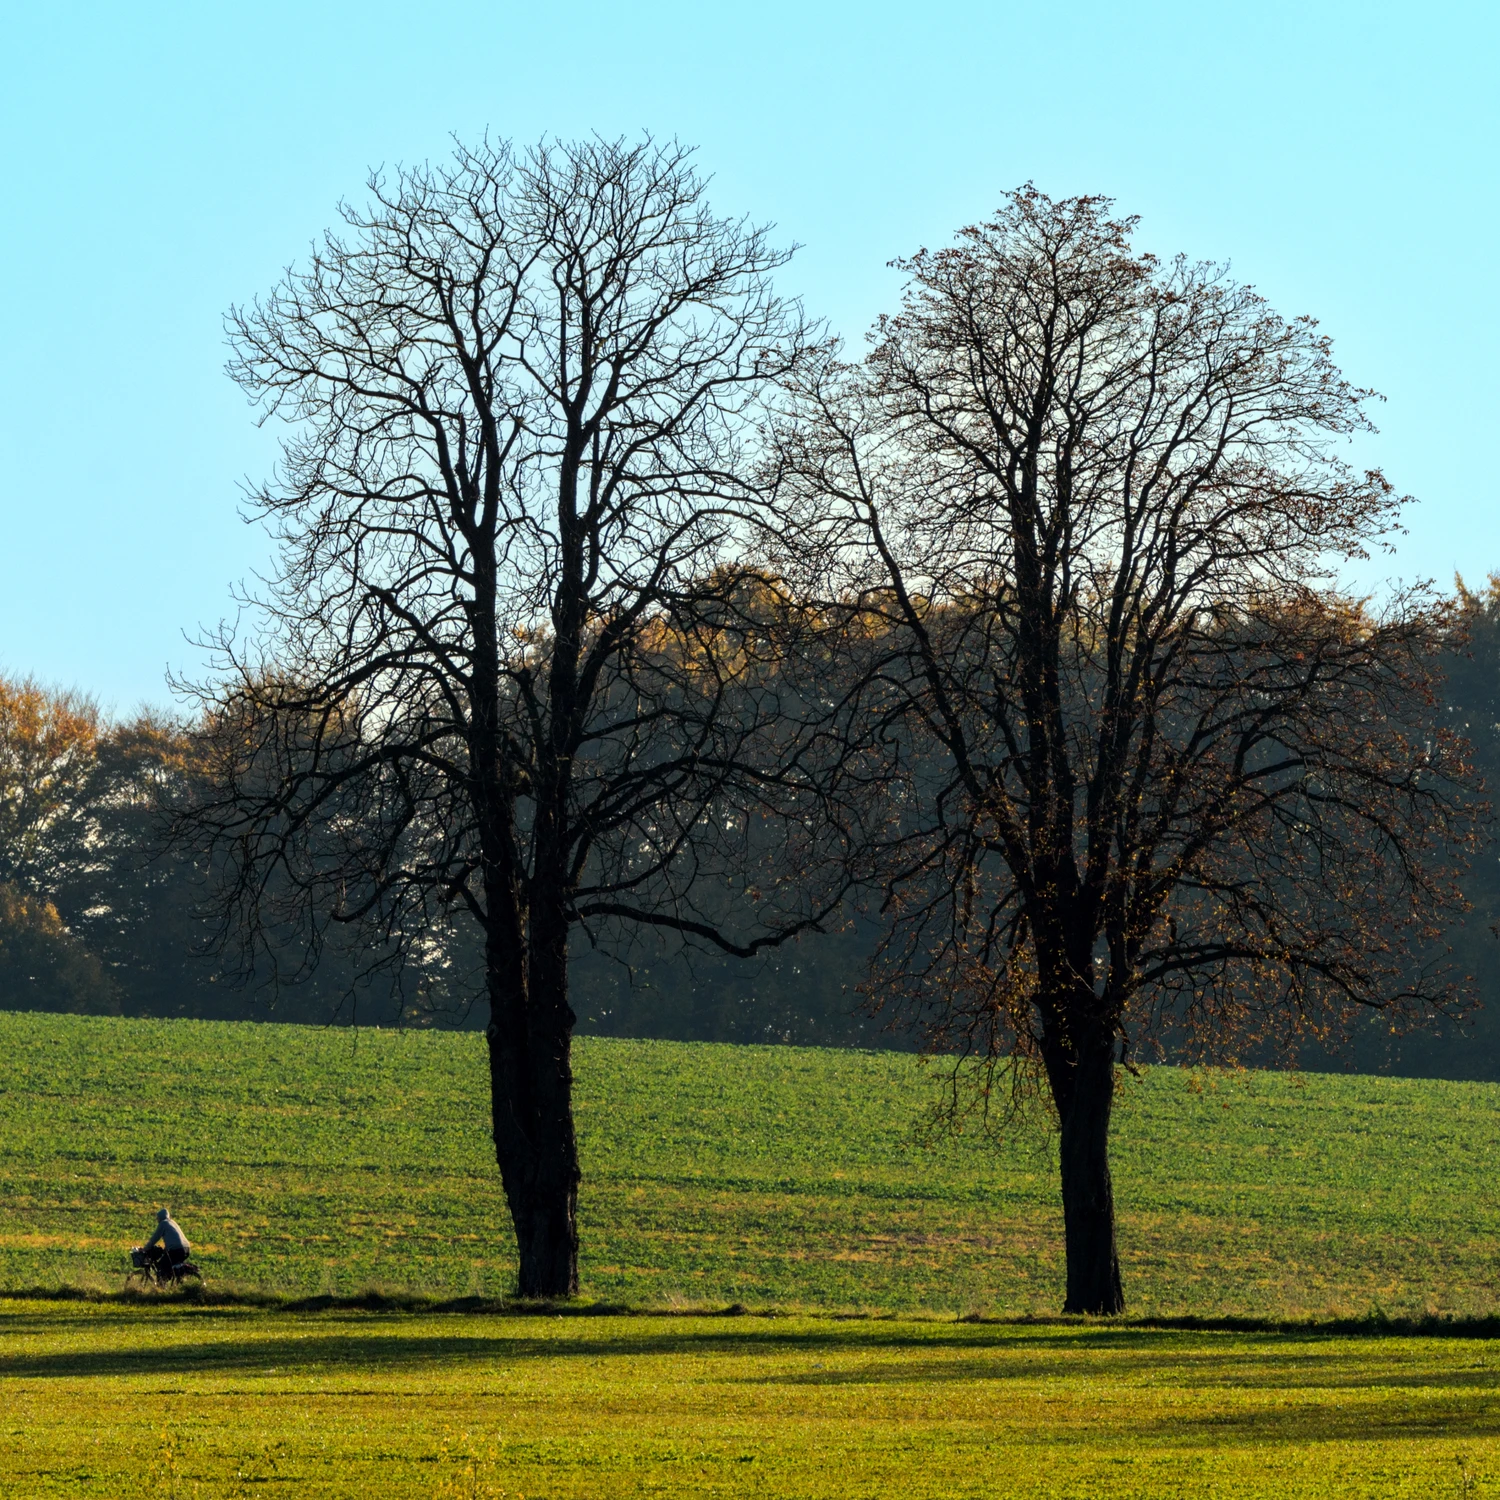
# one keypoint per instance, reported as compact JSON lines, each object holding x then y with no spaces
{"x":169,"y":1232}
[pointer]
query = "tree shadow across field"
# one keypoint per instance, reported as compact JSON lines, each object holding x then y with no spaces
{"x":1241,"y":1369}
{"x":389,"y":1348}
{"x":918,"y":1355}
{"x":1332,"y":1401}
{"x":1451,"y":1411}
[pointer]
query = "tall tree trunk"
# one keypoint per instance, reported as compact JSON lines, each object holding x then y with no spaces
{"x":1082,"y":1076}
{"x":531,"y":1100}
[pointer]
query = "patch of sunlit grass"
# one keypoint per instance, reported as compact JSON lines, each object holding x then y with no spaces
{"x":104,"y":1401}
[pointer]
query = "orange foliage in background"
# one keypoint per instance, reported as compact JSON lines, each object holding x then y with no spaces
{"x":49,"y":742}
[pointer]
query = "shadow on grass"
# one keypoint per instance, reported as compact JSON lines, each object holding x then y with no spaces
{"x":393,"y":1348}
{"x":1375,"y":1324}
{"x":206,"y":1340}
{"x":1263,"y":1366}
{"x":1338,"y":1396}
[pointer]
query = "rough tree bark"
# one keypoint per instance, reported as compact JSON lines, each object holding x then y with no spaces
{"x":1080,"y":1071}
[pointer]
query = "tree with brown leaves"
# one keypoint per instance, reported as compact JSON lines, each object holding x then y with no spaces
{"x":1174,"y":781}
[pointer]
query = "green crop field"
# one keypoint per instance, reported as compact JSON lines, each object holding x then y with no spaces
{"x":327,"y":1161}
{"x":790,"y":1181}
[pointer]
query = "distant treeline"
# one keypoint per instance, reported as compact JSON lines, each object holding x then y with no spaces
{"x":97,"y":916}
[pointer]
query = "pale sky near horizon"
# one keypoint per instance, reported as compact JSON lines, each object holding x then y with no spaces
{"x":164,"y":163}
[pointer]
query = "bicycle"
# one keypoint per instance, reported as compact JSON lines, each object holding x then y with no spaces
{"x":155,"y":1268}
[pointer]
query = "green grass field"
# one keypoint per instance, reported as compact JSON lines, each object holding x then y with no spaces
{"x":314,"y":1162}
{"x":322,"y":1161}
{"x":173,"y":1401}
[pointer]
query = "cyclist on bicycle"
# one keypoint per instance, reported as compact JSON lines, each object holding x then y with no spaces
{"x":174,"y":1243}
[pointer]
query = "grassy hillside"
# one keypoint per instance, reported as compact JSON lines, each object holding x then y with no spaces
{"x":324,"y":1161}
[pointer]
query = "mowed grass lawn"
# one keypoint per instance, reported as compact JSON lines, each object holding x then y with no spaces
{"x":110,"y":1400}
{"x":327,"y":1161}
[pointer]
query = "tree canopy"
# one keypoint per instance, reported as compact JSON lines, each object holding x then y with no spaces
{"x":1181,"y":782}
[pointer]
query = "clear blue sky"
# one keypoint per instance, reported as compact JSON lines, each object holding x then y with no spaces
{"x":164,"y":161}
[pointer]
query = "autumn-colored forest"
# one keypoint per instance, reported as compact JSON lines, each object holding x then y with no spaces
{"x":98,"y":915}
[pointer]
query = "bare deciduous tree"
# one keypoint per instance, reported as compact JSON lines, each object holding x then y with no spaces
{"x":510,"y":667}
{"x":1175,"y":779}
